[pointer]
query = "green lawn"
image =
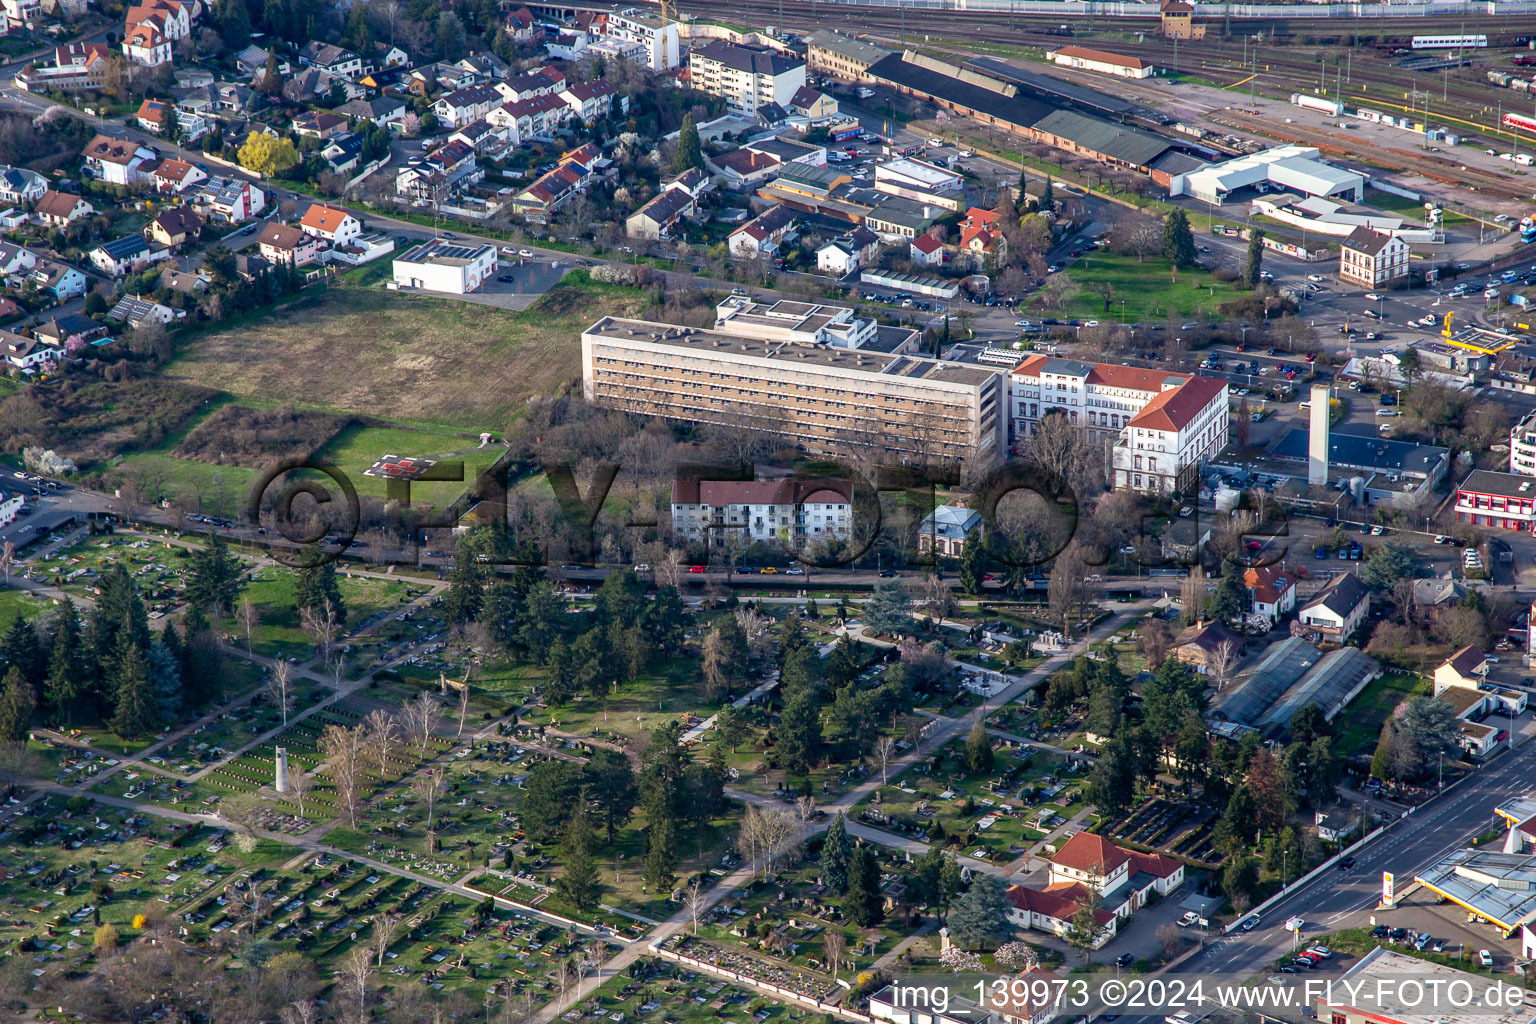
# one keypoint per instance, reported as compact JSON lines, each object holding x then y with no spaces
{"x":1143,"y":292}
{"x":16,"y":604}
{"x":358,"y":447}
{"x":1359,"y":730}
{"x":279,"y":632}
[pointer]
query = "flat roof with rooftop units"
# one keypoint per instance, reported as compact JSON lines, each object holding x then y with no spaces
{"x":1388,"y":987}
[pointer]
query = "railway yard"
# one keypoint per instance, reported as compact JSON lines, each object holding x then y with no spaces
{"x":1239,"y":62}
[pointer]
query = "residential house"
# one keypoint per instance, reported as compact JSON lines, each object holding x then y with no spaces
{"x":15,"y":259}
{"x":812,"y":103}
{"x":136,"y":311}
{"x":694,"y":180}
{"x":313,"y":85}
{"x":1335,"y":613}
{"x":126,"y":255}
{"x":146,"y":45}
{"x":793,"y":511}
{"x":979,"y":232}
{"x":249,"y":266}
{"x":522,"y":26}
{"x":484,"y":138}
{"x":172,"y":18}
{"x":335,"y":60}
{"x":947,"y":529}
{"x":546,"y":81}
{"x":29,"y":355}
{"x":741,"y":168}
{"x":656,"y":218}
{"x":761,"y":237}
{"x":155,"y":116}
{"x":1471,"y":706}
{"x":462,"y":106}
{"x":335,"y":225}
{"x":380,"y":110}
{"x":567,"y":45}
{"x":534,"y":117}
{"x":172,"y":176}
{"x":252,"y":61}
{"x":58,"y":279}
{"x":926,"y":251}
{"x":19,"y":185}
{"x":846,"y":254}
{"x":594,"y":101}
{"x":318,"y":124}
{"x":57,"y":330}
{"x":1373,"y":259}
{"x":283,"y":243}
{"x":486,"y":67}
{"x":745,"y":77}
{"x":188,"y":282}
{"x":435,"y":175}
{"x":20,"y":14}
{"x":116,"y":161}
{"x":174,"y":227}
{"x":1272,"y":591}
{"x":388,"y":56}
{"x":550,"y":192}
{"x":1208,"y":647}
{"x":1467,"y":669}
{"x":229,"y":200}
{"x":343,"y":153}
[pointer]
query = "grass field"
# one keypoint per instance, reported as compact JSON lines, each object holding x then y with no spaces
{"x":19,"y":603}
{"x":358,"y":447}
{"x":1369,"y":710}
{"x":1143,"y":292}
{"x":409,"y":359}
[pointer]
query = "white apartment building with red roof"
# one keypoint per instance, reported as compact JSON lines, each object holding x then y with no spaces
{"x":795,"y":511}
{"x":1158,"y":426}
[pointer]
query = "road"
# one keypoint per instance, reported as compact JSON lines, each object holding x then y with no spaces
{"x":1345,"y":899}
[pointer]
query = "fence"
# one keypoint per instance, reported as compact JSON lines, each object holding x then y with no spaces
{"x":1303,"y":880}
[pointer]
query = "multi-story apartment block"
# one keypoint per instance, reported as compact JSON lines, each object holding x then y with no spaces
{"x":659,"y":50}
{"x":796,"y":512}
{"x":831,"y":53}
{"x":1374,"y":259}
{"x":864,"y":401}
{"x":745,"y":77}
{"x":1160,"y":426}
{"x":1522,"y":446}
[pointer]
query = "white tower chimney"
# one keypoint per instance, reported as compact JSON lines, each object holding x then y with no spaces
{"x":1317,"y":436}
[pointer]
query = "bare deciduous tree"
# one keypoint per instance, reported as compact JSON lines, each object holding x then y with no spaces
{"x":885,"y":751}
{"x":1224,"y":663}
{"x":420,"y":718}
{"x":382,"y":735}
{"x":428,"y":787}
{"x":385,"y":927}
{"x":836,"y":945}
{"x":343,"y":749}
{"x":279,"y":688}
{"x":353,"y":974}
{"x":696,"y":900}
{"x":305,"y":1011}
{"x":248,"y":618}
{"x":300,"y":785}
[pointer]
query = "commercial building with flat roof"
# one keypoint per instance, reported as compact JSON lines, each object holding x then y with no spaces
{"x":1377,"y":989}
{"x":1282,"y":169}
{"x":1498,"y":887}
{"x":826,"y":400}
{"x":1503,"y":500}
{"x":445,"y":266}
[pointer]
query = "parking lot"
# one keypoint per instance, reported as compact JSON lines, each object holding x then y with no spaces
{"x":1423,"y":912}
